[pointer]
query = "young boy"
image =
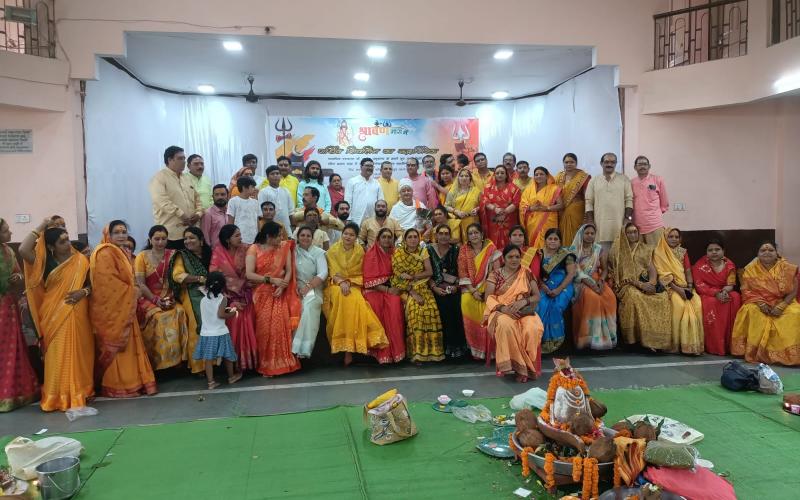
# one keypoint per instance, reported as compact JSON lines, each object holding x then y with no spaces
{"x":243,"y":209}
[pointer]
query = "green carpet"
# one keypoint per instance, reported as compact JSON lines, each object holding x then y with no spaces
{"x":327,"y":453}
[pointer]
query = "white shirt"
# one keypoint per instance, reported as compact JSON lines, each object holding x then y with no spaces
{"x":406,"y":215}
{"x":283,"y":203}
{"x":212,"y":324}
{"x":362,"y":194}
{"x":245,"y":215}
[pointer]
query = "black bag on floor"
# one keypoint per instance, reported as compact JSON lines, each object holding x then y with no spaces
{"x":737,"y":377}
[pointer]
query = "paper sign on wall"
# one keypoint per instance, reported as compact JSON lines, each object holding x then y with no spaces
{"x":16,"y":140}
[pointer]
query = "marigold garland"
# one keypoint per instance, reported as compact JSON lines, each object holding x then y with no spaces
{"x":559,"y":380}
{"x":577,"y":466}
{"x":549,"y":480}
{"x":526,"y":467}
{"x":617,"y":478}
{"x":590,"y":478}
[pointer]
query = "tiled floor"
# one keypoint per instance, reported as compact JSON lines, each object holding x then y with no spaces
{"x":183,"y":398}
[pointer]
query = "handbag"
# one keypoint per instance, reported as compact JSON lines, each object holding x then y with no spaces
{"x":390,"y":422}
{"x":738,"y":377}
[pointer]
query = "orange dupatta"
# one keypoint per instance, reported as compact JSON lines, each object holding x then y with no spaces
{"x":112,"y":304}
{"x":46,"y":298}
{"x":276,"y":269}
{"x":520,"y":287}
{"x":760,"y":285}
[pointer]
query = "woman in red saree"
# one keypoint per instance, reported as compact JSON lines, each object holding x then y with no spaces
{"x":714,"y":280}
{"x":500,"y":207}
{"x":18,"y":383}
{"x":122,"y":361}
{"x":383,"y":298}
{"x":270,"y":261}
{"x":229,"y":258}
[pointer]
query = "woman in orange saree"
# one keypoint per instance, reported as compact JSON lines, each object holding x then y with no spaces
{"x":18,"y":383}
{"x":162,"y":321}
{"x":122,"y":363}
{"x":509,"y":291}
{"x":539,"y":206}
{"x":270,"y":261}
{"x":500,"y":206}
{"x":714,"y":279}
{"x":229,"y":258}
{"x":56,"y":280}
{"x":572,"y":181}
{"x":767,"y":328}
{"x":384,"y":299}
{"x":476,"y":259}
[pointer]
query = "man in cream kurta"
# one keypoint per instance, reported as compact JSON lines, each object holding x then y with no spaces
{"x":609,"y":201}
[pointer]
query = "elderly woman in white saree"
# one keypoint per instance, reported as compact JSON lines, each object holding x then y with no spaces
{"x":312,"y":271}
{"x":406,"y":210}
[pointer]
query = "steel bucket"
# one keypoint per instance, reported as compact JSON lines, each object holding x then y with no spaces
{"x":58,"y":478}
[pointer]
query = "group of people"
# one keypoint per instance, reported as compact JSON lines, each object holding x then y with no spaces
{"x":456,"y":260}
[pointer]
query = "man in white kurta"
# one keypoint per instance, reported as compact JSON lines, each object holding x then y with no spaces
{"x":277,"y":195}
{"x":361,"y":192}
{"x":609,"y":201}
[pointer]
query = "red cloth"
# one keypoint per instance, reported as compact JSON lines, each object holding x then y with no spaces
{"x":698,"y":484}
{"x":387,"y":307}
{"x":497,"y":231}
{"x":718,"y":317}
{"x":336,"y":197}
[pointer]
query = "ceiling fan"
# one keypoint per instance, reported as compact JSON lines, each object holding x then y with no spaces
{"x":461,"y":102}
{"x":251,"y":96}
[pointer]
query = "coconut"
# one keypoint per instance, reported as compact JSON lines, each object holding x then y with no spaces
{"x":603,"y":449}
{"x":530,"y":437}
{"x":581,"y":424}
{"x":525,"y":419}
{"x":598,"y":409}
{"x":622,"y":425}
{"x":643,"y":430}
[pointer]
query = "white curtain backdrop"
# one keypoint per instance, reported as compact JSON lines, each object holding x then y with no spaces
{"x":128,"y":127}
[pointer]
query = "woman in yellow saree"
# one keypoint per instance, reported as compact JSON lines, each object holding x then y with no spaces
{"x":517,"y":335}
{"x":767,"y":327}
{"x":675,"y":274}
{"x":352,"y":325}
{"x":121,"y":357}
{"x":187,"y":273}
{"x":462,"y":204}
{"x":163,"y":322}
{"x":57,"y":286}
{"x":572,"y":181}
{"x":644,"y":308}
{"x":411,"y":268}
{"x":476,"y":260}
{"x":538,"y":209}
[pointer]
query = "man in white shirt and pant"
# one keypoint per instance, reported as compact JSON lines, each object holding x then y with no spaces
{"x":362,"y":191}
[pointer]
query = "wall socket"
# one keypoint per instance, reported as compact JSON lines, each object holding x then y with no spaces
{"x":679,"y":207}
{"x":22,"y":218}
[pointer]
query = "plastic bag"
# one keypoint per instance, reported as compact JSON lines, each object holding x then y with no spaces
{"x":768,"y":381}
{"x":390,"y":421}
{"x":82,"y":411}
{"x":535,"y":398}
{"x":666,"y":454}
{"x":25,"y":454}
{"x":738,"y":377}
{"x":473,"y":414}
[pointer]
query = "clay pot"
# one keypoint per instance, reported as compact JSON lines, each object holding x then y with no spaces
{"x":530,"y":437}
{"x":525,"y":419}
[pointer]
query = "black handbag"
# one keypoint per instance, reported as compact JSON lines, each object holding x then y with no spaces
{"x":738,"y":377}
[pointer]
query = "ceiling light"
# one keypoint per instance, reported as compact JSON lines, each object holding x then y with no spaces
{"x":503,"y":54}
{"x":359,"y":93}
{"x":500,"y":94}
{"x":787,"y":83}
{"x":205,"y":89}
{"x":376,"y":52}
{"x":361,"y":77}
{"x":232,"y":45}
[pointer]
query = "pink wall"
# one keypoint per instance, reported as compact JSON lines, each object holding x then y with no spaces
{"x":45,"y":182}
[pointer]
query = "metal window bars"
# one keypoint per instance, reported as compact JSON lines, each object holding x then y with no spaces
{"x":28,"y":27}
{"x":785,"y":20}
